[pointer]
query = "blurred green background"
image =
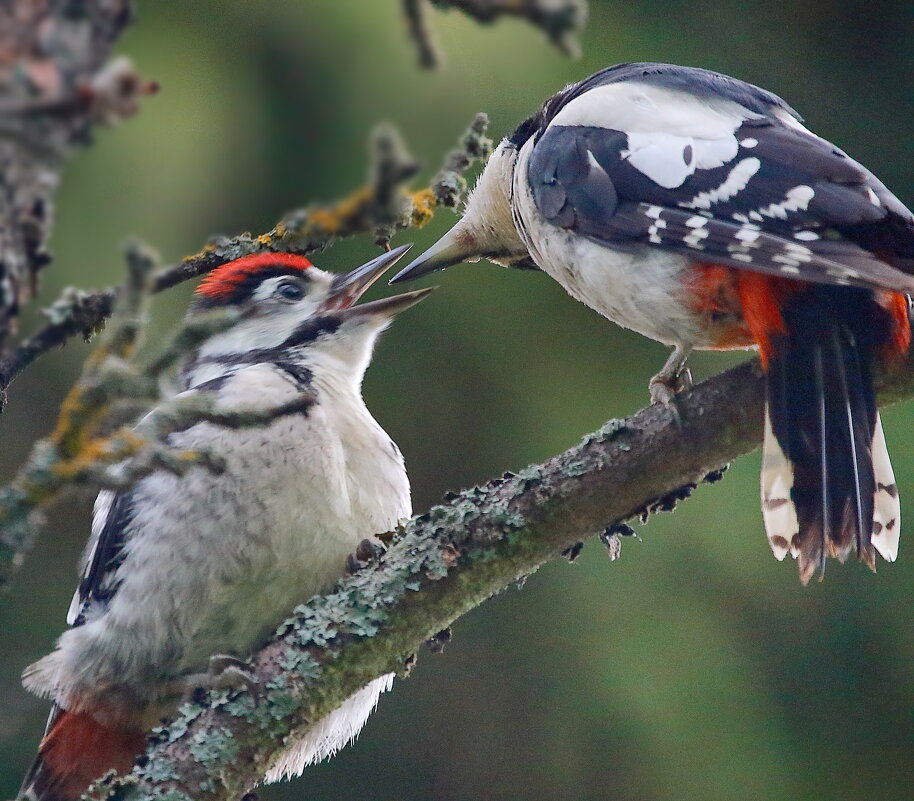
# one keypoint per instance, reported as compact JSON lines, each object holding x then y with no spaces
{"x":696,"y":667}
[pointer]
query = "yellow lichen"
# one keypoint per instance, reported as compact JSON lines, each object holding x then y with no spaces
{"x":200,"y":254}
{"x":99,"y":451}
{"x":265,"y":239}
{"x":424,"y":204}
{"x":337,"y":217}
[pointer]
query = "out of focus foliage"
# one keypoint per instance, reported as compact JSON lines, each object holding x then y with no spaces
{"x":696,"y":667}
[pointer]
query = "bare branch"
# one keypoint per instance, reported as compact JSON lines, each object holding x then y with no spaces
{"x":444,"y":563}
{"x":560,"y":20}
{"x":416,"y":13}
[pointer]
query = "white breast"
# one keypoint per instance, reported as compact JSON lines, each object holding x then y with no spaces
{"x":215,"y":562}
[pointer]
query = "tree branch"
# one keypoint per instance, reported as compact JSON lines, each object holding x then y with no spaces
{"x":382,"y":207}
{"x":443,"y":564}
{"x":53,"y":89}
{"x":560,"y":20}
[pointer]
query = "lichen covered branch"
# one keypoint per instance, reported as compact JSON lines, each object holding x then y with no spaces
{"x":90,"y":445}
{"x":444,"y":563}
{"x":561,"y":20}
{"x":382,"y":207}
{"x":54,"y":86}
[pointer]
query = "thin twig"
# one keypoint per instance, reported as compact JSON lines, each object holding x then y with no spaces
{"x":416,"y":13}
{"x":561,"y":20}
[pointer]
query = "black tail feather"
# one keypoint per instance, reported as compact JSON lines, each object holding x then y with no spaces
{"x":823,"y":415}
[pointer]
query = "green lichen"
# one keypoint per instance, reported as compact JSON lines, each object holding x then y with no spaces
{"x":605,"y":433}
{"x":214,"y":748}
{"x":241,"y":706}
{"x":173,"y":795}
{"x":302,"y":663}
{"x":282,"y":705}
{"x":157,"y":769}
{"x":573,"y":469}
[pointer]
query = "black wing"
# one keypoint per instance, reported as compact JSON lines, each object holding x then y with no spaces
{"x":104,"y":555}
{"x":787,"y":203}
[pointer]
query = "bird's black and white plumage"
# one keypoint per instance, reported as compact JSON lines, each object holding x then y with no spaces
{"x":698,"y":210}
{"x":643,"y":152}
{"x":180,"y":568}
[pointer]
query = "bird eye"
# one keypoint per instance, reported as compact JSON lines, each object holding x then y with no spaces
{"x":290,"y":290}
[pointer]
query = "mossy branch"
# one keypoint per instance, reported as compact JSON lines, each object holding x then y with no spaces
{"x":443,"y":564}
{"x":89,"y":445}
{"x":383,"y":206}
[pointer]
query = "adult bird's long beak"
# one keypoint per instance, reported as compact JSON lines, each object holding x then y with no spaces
{"x":454,"y":247}
{"x":347,"y":288}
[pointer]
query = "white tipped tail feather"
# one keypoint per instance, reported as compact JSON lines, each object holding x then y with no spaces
{"x":778,"y":509}
{"x":331,"y":733}
{"x":780,"y":513}
{"x":887,"y":509}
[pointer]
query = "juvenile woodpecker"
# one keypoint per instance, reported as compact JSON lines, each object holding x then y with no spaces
{"x":181,"y":568}
{"x":697,"y":210}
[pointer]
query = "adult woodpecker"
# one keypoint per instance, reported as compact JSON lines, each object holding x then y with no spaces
{"x":697,"y":210}
{"x":181,"y":568}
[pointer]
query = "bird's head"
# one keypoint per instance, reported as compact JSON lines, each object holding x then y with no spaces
{"x":289,"y":310}
{"x":486,"y":230}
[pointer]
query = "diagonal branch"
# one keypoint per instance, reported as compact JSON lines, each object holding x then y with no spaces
{"x":382,"y":207}
{"x":444,"y":563}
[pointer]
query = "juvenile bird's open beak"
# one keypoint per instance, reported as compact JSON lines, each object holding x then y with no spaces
{"x":347,"y":288}
{"x":454,"y":247}
{"x":387,"y":307}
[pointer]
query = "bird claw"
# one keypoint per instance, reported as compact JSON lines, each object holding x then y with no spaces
{"x":369,"y":550}
{"x":224,"y":672}
{"x":664,"y":387}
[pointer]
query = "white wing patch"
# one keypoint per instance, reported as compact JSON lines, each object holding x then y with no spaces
{"x":670,"y":134}
{"x":735,"y":182}
{"x":886,"y":508}
{"x":642,"y":108}
{"x":778,"y":510}
{"x":331,"y":733}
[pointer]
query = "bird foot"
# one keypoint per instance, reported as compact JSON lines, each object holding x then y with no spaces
{"x":369,"y":550}
{"x":224,"y":672}
{"x":664,"y":387}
